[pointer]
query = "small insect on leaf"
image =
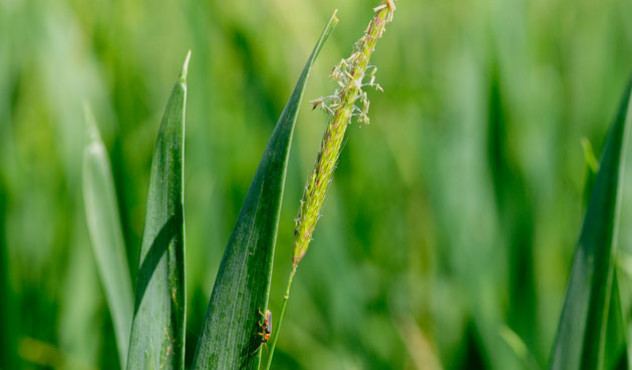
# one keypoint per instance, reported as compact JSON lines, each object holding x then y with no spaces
{"x":266,"y":328}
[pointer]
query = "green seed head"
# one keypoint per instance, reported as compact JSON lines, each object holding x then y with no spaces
{"x":349,"y":100}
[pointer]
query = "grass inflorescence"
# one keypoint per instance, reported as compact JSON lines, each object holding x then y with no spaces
{"x":349,"y":100}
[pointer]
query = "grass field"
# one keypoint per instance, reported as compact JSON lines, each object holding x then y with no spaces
{"x":448,"y":234}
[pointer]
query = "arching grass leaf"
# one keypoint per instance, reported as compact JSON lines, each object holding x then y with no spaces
{"x":229,"y":338}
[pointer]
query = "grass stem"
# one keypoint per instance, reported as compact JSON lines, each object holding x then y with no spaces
{"x":275,"y":336}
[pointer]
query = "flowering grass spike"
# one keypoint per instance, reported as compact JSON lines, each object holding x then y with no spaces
{"x":349,"y":100}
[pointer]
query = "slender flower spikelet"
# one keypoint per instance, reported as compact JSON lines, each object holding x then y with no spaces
{"x":349,"y":100}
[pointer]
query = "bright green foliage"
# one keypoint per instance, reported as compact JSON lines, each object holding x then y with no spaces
{"x":229,"y":337}
{"x":455,"y":214}
{"x":106,"y":236}
{"x":157,"y":339}
{"x":581,"y":336}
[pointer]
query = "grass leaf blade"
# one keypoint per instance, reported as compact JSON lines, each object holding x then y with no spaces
{"x":581,"y":334}
{"x":616,"y":343}
{"x":157,"y":339}
{"x":106,"y":236}
{"x":229,"y":337}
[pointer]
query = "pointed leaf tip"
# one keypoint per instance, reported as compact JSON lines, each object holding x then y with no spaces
{"x":92,"y":132}
{"x":185,"y":68}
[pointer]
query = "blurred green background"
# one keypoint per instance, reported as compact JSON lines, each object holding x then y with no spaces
{"x":448,"y":234}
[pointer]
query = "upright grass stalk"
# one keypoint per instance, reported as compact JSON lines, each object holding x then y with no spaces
{"x":350,"y":75}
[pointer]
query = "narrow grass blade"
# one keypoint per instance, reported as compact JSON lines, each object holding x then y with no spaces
{"x":157,"y":340}
{"x":616,"y":343}
{"x":581,"y":334}
{"x":8,"y":309}
{"x":104,"y":226}
{"x":229,"y":338}
{"x":624,"y":280}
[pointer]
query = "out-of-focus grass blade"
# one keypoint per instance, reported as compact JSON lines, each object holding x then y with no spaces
{"x":8,"y":337}
{"x":157,"y":340}
{"x":616,"y":352}
{"x":518,"y":347}
{"x":229,"y":337}
{"x":104,"y":226}
{"x":581,"y":335}
{"x":624,"y":280}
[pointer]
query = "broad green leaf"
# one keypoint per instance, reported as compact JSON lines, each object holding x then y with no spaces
{"x":104,"y":226}
{"x":229,"y":338}
{"x":581,"y":335}
{"x":157,"y":340}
